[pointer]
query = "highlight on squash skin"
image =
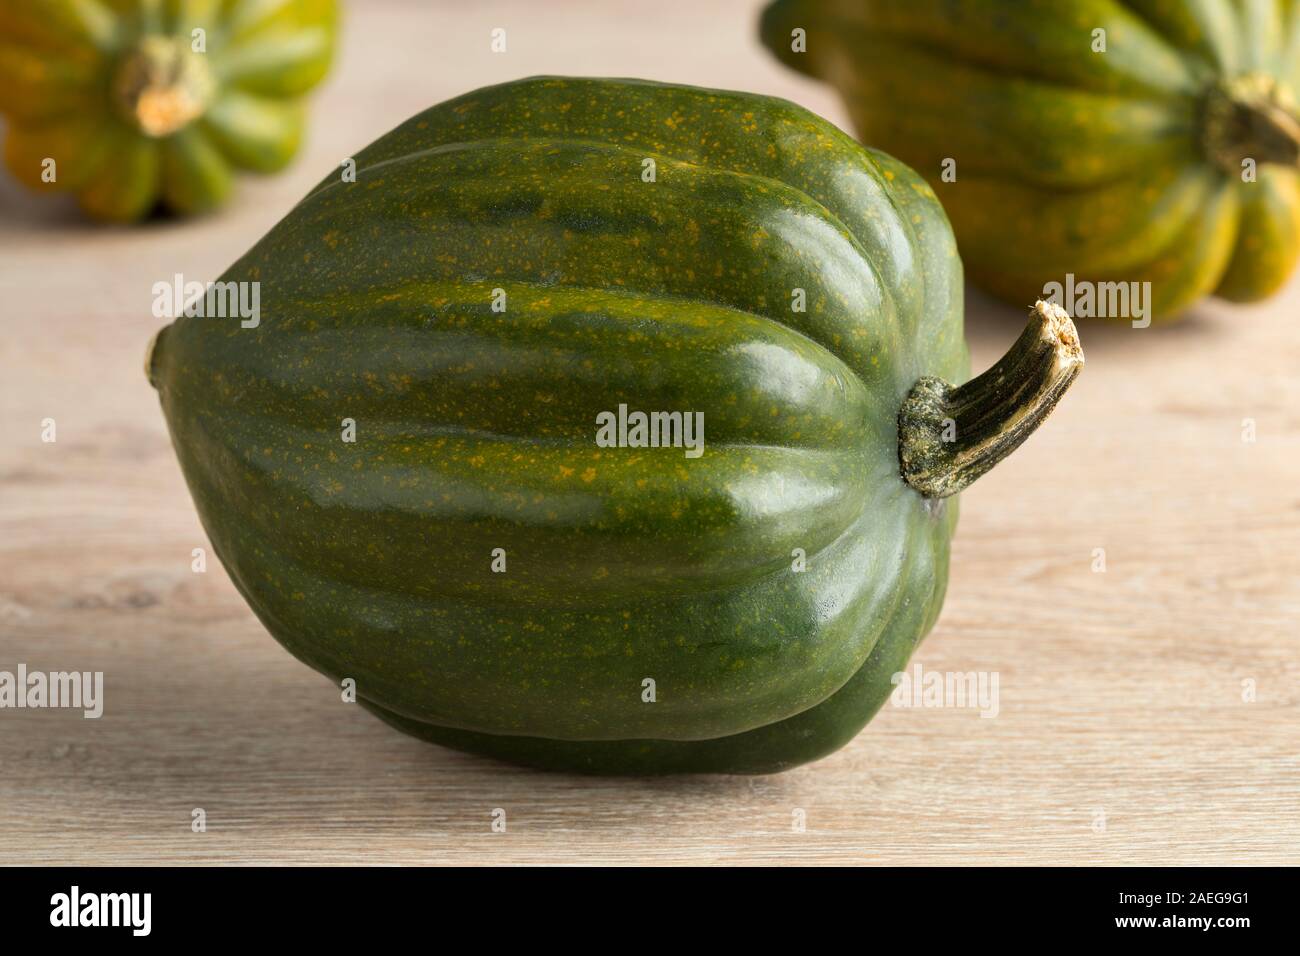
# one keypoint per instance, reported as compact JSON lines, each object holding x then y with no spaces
{"x":138,"y":106}
{"x":771,"y":587}
{"x":1081,"y":139}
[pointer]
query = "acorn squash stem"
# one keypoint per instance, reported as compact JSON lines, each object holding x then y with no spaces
{"x":160,"y":86}
{"x":1251,"y":117}
{"x":950,"y":435}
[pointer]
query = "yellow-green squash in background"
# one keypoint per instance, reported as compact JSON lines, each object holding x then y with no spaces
{"x":1114,"y":141}
{"x":132,"y":104}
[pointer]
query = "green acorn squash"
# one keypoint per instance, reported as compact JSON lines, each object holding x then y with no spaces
{"x":506,"y":271}
{"x":136,"y":104}
{"x":1139,"y":141}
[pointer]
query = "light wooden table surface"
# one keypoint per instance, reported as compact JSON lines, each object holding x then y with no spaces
{"x":1123,"y":735}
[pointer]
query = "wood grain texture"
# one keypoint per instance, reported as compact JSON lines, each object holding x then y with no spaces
{"x":1121,"y":692}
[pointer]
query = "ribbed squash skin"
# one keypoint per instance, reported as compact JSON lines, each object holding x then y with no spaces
{"x":1069,"y":160}
{"x":60,"y":62}
{"x":476,"y":429}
